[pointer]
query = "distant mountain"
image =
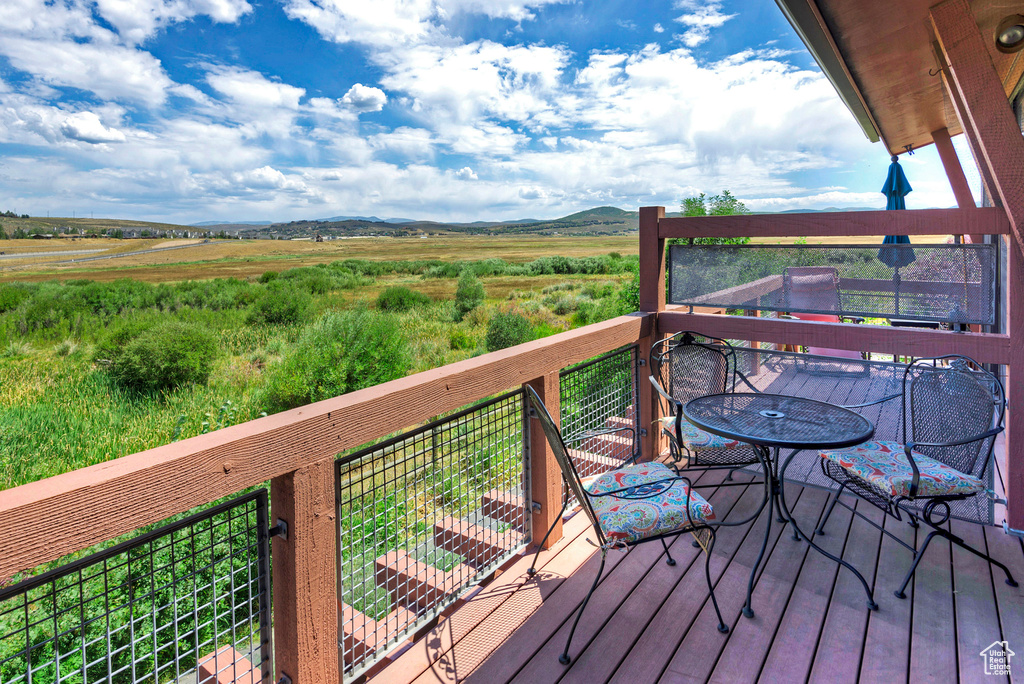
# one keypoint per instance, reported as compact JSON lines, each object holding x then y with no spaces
{"x":596,"y":221}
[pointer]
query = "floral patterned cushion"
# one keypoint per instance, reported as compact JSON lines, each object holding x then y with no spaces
{"x":885,"y":465}
{"x":695,"y":438}
{"x":627,"y":520}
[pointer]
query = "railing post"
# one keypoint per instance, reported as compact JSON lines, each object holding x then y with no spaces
{"x":305,"y":591}
{"x":993,"y":131}
{"x":545,"y":475}
{"x":652,"y":300}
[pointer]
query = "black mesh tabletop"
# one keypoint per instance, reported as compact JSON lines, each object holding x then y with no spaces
{"x":776,"y":420}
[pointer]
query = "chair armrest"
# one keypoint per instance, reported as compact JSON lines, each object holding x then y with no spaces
{"x":872,"y":403}
{"x":746,"y":382}
{"x":967,"y":440}
{"x":644,"y":491}
{"x":910,"y":446}
{"x":675,"y":403}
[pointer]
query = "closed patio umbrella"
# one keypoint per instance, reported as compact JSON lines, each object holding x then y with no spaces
{"x":895,"y":190}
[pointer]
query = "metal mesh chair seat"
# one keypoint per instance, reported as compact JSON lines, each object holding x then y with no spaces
{"x":952,"y":411}
{"x":885,"y":466}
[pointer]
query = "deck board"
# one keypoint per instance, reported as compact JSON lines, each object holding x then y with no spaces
{"x":933,"y":655}
{"x":977,"y":621}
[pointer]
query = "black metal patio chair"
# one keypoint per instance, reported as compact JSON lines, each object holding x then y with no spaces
{"x":953,"y":410}
{"x":685,"y":366}
{"x":633,"y":504}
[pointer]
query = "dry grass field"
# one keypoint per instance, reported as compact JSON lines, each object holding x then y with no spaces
{"x":250,"y":258}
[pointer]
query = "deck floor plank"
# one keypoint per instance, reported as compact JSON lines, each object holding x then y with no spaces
{"x":836,"y":659}
{"x":933,"y":655}
{"x":791,"y":655}
{"x":1010,"y":600}
{"x":887,"y":644}
{"x":698,"y":653}
{"x":600,"y":659}
{"x":439,"y":641}
{"x":649,"y":655}
{"x":977,"y":618}
{"x":744,"y":654}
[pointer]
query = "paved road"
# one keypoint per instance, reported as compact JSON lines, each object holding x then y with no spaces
{"x":24,"y":255}
{"x":60,"y":252}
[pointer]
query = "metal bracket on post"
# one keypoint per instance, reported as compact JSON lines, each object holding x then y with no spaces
{"x":642,"y":361}
{"x":285,"y":679}
{"x":280,"y":529}
{"x":643,"y":432}
{"x":1011,"y":531}
{"x":535,"y":506}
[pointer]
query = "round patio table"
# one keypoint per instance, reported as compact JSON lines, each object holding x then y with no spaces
{"x":771,"y":422}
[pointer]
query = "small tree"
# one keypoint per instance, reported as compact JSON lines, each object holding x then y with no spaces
{"x":725,"y":204}
{"x":507,"y":329}
{"x":469,"y":294}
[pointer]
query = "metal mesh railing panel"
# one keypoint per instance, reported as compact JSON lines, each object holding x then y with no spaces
{"x":596,"y":396}
{"x":845,"y":382}
{"x":157,"y":608}
{"x":422,"y":517}
{"x":945,"y":283}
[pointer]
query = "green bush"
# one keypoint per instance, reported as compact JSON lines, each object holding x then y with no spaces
{"x":507,"y":329}
{"x":398,"y":299}
{"x":339,"y":353}
{"x":469,"y":294}
{"x":164,"y":357}
{"x":280,"y":304}
{"x":267,"y":276}
{"x":459,"y":339}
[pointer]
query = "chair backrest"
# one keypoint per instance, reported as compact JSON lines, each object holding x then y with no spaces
{"x":811,"y":288}
{"x":569,"y":472}
{"x":690,"y":365}
{"x":951,"y":398}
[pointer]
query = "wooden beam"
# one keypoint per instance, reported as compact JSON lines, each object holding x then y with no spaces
{"x":124,"y":494}
{"x":985,"y":220}
{"x":985,"y":348}
{"x":652,"y":260}
{"x":954,"y":171}
{"x":955,"y":175}
{"x":745,"y":292}
{"x":545,"y":473}
{"x":996,"y":135}
{"x":305,"y":586}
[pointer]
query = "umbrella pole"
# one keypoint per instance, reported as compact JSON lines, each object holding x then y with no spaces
{"x":896,"y":288}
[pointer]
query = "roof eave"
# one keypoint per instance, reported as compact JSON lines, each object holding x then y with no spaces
{"x":805,"y":19}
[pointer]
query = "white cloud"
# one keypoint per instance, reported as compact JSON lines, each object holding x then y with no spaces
{"x":252,"y":89}
{"x":87,"y":127}
{"x":137,"y":20}
{"x":466,"y":173}
{"x":110,"y":72}
{"x":365,"y":98}
{"x":658,"y":28}
{"x":411,"y":143}
{"x":700,"y":19}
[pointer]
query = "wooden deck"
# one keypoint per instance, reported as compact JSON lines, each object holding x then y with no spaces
{"x":649,"y":622}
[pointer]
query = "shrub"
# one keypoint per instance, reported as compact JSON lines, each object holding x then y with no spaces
{"x":469,"y":294}
{"x":629,"y":296}
{"x":11,"y":296}
{"x":165,"y":356}
{"x":267,"y":276}
{"x":507,"y":329}
{"x":460,"y":339}
{"x":339,"y":353}
{"x":398,"y":299}
{"x":280,"y":304}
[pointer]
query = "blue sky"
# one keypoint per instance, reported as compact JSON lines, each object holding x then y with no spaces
{"x":199,"y":110}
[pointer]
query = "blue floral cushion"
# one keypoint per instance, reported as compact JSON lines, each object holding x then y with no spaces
{"x":626,"y":520}
{"x":695,"y":438}
{"x":885,"y":465}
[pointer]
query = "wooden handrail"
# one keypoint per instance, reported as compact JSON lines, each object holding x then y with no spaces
{"x":116,"y":497}
{"x":983,"y":347}
{"x":982,"y":220}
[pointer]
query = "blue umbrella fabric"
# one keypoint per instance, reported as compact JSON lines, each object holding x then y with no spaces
{"x":895,"y":190}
